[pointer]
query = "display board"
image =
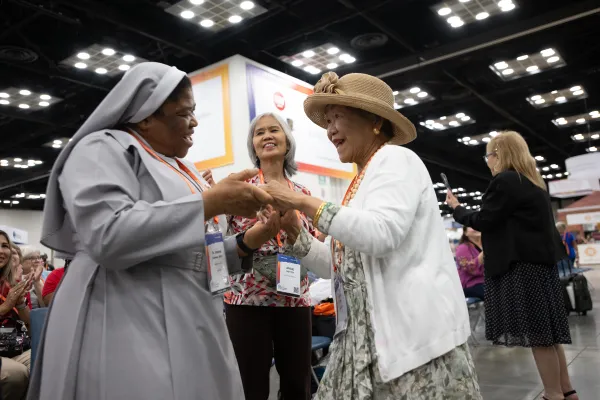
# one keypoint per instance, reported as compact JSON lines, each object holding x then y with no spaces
{"x":589,"y":254}
{"x":583,"y":218}
{"x":212,"y":138}
{"x":270,"y":92}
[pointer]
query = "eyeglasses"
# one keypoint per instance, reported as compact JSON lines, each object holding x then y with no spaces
{"x":33,"y":259}
{"x":488,"y":155}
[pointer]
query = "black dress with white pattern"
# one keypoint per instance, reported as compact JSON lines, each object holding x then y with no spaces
{"x":525,"y":307}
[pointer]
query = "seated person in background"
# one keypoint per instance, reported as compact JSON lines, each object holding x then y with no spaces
{"x":14,"y":374}
{"x":52,"y":282}
{"x":33,"y":264}
{"x":469,"y":260}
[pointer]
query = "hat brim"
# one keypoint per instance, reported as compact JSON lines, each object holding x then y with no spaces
{"x":315,"y":104}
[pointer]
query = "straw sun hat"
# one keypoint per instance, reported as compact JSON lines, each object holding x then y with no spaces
{"x":358,"y":91}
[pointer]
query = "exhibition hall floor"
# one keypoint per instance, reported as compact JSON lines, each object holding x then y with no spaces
{"x":509,"y":373}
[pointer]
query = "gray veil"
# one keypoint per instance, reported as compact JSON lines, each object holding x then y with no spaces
{"x":141,"y":91}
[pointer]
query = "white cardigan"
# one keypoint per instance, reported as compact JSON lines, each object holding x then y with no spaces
{"x":418,"y":306}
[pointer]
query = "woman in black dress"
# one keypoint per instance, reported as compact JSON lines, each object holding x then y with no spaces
{"x":524,"y":304}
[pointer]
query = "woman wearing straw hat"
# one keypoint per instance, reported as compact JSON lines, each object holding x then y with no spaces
{"x":402,"y":322}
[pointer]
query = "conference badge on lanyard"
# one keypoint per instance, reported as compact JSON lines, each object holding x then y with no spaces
{"x":216,"y":260}
{"x":288,"y":276}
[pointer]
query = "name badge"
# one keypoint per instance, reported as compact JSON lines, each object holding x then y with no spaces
{"x":341,"y":307}
{"x":288,"y":276}
{"x":218,"y":274}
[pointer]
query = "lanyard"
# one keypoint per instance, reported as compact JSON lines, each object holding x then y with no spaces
{"x":262,"y":182}
{"x":189,"y":179}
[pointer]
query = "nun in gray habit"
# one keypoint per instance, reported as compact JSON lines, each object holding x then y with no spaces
{"x":133,"y":318}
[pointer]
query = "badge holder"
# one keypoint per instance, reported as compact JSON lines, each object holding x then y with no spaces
{"x":216,"y":260}
{"x":288,"y":276}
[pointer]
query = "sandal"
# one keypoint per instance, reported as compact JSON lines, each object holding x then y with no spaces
{"x":571,"y":393}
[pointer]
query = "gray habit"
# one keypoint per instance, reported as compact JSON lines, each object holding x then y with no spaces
{"x":133,"y":318}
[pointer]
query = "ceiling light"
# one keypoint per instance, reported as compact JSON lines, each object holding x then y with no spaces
{"x":546,"y":169}
{"x":562,"y":121}
{"x":454,"y":123}
{"x":473,"y":142}
{"x":312,"y":70}
{"x":444,"y":11}
{"x":575,"y":88}
{"x":415,"y":90}
{"x":508,"y":71}
{"x":522,"y":58}
{"x":187,"y":14}
{"x":554,"y":166}
{"x":234,"y":19}
{"x":422,"y":94}
{"x":124,"y":67}
{"x":108,"y":52}
{"x":83,"y":56}
{"x":4,"y":102}
{"x":45,"y":97}
{"x":595,"y":136}
{"x":536,"y":97}
{"x":501,"y":65}
{"x":57,"y":142}
{"x":4,"y":95}
{"x":207,"y":23}
{"x":539,"y":158}
{"x":81,"y":65}
{"x":56,"y":146}
{"x":486,"y":139}
{"x":297,"y":63}
{"x":465,"y":118}
{"x":349,"y":59}
{"x":332,"y":66}
{"x":494,"y":133}
{"x":101,"y":71}
{"x":578,"y":93}
{"x":559,"y":175}
{"x":533,"y":68}
{"x":560,"y":99}
{"x":308,"y":53}
{"x":457,"y":24}
{"x":482,"y":15}
{"x":592,"y":113}
{"x":196,"y":2}
{"x":396,"y":93}
{"x":592,"y":149}
{"x":554,"y":92}
{"x":553,"y":59}
{"x":24,"y":92}
{"x":579,"y":136}
{"x":24,"y":106}
{"x":247,"y":5}
{"x":580,"y":121}
{"x":460,"y":115}
{"x":333,"y":50}
{"x":547,"y":52}
{"x":44,"y":104}
{"x":409,"y":100}
{"x":540,"y":101}
{"x":128,"y":58}
{"x":466,"y":139}
{"x":397,"y":106}
{"x":509,"y":7}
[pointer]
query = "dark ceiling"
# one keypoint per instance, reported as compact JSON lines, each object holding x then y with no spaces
{"x":405,"y":42}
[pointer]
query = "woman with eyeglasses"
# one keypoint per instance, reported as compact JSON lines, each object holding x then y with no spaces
{"x":524,"y":303}
{"x":34,"y":264}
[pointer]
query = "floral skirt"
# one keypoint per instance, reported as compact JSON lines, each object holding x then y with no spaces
{"x":352,"y":372}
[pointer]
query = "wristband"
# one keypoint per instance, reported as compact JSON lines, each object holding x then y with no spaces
{"x":240,"y":242}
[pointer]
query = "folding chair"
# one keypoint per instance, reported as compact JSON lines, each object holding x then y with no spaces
{"x":475,"y":304}
{"x":318,"y":343}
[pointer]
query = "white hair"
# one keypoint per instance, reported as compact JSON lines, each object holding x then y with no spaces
{"x":289,"y":163}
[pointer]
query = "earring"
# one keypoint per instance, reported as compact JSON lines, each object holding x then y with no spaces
{"x":376,"y":131}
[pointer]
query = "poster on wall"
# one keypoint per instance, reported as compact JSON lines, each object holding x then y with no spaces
{"x":212,"y":137}
{"x":268,"y":92}
{"x":589,"y":254}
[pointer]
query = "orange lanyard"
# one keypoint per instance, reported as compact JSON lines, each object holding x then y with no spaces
{"x":14,"y":308}
{"x":291,"y":185}
{"x":185,"y":169}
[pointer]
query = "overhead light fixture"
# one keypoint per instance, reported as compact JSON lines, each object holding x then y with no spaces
{"x":460,"y":12}
{"x":124,"y":67}
{"x":247,"y":5}
{"x":478,"y":139}
{"x":439,"y":124}
{"x":406,"y":96}
{"x":103,"y":60}
{"x":557,"y":96}
{"x":540,"y":158}
{"x":592,"y":149}
{"x":215,"y":15}
{"x":323,"y":57}
{"x":19,"y":163}
{"x":25,"y":99}
{"x":528,"y":64}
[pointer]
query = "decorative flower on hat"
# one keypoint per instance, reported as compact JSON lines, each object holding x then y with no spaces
{"x":328,"y":84}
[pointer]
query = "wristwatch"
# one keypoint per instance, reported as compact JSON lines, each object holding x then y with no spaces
{"x":240,"y":242}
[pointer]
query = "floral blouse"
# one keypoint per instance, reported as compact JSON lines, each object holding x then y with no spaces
{"x":258,"y":287}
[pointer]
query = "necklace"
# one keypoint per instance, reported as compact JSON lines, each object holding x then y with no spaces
{"x":337,"y":246}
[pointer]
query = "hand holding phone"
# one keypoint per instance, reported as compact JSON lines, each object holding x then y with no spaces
{"x":445,"y":180}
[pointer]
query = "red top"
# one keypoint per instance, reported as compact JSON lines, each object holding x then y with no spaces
{"x":52,"y":281}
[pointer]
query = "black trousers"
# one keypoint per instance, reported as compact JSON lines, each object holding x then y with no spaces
{"x":260,"y":334}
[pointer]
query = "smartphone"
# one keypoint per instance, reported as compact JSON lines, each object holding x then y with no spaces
{"x":445,"y":180}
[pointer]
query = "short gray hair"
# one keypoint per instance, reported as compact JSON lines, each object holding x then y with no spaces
{"x":289,"y":163}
